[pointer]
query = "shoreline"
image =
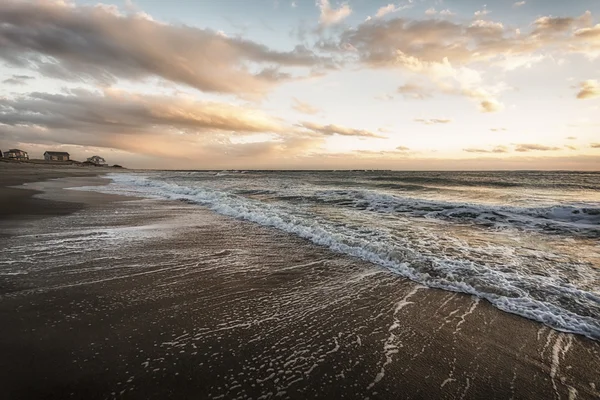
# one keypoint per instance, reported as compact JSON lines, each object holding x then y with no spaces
{"x":27,"y":190}
{"x":235,"y":309}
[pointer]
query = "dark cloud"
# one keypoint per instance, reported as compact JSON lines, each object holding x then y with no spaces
{"x":98,"y":43}
{"x":552,"y":25}
{"x":534,"y":147}
{"x":123,"y":112}
{"x":168,"y":127}
{"x":138,"y":123}
{"x":18,"y":80}
{"x":595,"y":145}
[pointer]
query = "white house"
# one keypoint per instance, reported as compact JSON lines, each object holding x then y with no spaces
{"x":97,"y":160}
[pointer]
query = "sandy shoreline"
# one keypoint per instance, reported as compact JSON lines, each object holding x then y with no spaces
{"x":146,"y":299}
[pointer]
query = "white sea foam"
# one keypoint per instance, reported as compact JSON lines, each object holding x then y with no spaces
{"x":549,"y":299}
{"x":584,"y":218}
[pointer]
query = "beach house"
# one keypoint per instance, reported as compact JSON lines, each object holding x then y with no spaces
{"x":96,"y":160}
{"x":16,"y":154}
{"x":56,"y":156}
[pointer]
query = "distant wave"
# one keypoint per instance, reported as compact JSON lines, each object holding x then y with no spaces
{"x":587,"y":181}
{"x":571,"y":219}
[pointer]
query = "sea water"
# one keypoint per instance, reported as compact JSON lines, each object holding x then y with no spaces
{"x":528,"y":242}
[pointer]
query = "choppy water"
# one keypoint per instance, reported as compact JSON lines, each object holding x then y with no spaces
{"x":528,"y":242}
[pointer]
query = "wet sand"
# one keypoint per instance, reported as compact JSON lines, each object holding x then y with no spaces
{"x":143,"y":299}
{"x":26,"y":202}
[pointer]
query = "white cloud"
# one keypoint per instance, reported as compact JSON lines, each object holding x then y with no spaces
{"x":447,"y":13}
{"x":488,"y":24}
{"x":332,"y":16}
{"x":461,"y":81}
{"x":590,"y":89}
{"x":433,"y":121}
{"x":490,"y":106}
{"x":519,"y":4}
{"x":390,"y":8}
{"x":481,"y":13}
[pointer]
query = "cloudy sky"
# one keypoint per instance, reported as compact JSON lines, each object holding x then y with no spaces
{"x":415,"y":84}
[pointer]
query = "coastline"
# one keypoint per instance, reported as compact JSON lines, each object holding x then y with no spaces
{"x":28,"y":190}
{"x":187,"y":303}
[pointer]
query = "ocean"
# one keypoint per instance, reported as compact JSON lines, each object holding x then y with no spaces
{"x":527,"y":242}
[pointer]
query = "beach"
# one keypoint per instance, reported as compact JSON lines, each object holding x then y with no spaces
{"x":105,"y":296}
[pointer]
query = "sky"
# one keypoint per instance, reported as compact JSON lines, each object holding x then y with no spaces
{"x":304,"y":84}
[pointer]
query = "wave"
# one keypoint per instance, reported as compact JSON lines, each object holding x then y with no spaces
{"x":584,"y":181}
{"x":549,"y":298}
{"x":582,"y":220}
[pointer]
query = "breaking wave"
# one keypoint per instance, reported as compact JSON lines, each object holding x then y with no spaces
{"x":568,"y":219}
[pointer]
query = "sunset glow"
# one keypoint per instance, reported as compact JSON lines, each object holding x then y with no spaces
{"x":279,"y":84}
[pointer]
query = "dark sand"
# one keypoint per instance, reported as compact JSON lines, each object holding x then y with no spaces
{"x":21,"y":203}
{"x":143,"y":299}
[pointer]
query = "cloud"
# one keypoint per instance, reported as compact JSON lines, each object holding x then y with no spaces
{"x":570,"y":147}
{"x":330,"y":130}
{"x":481,"y":13}
{"x":549,"y":24}
{"x":414,"y":91}
{"x":571,"y":137}
{"x":176,"y":131}
{"x":433,"y":40}
{"x":447,"y":13}
{"x":433,"y":121}
{"x":595,"y":145}
{"x":331,"y":16}
{"x":402,"y":148}
{"x":488,"y":25}
{"x":519,"y":4}
{"x":102,"y":45}
{"x":384,"y":97}
{"x":490,"y":106}
{"x":534,"y":147}
{"x":498,"y":129}
{"x":451,"y":54}
{"x":424,"y":49}
{"x":390,"y":8}
{"x":18,"y":80}
{"x":462,"y":81}
{"x":100,"y":118}
{"x":589,"y":89}
{"x":497,"y":150}
{"x":304,"y":108}
{"x":592,"y":33}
